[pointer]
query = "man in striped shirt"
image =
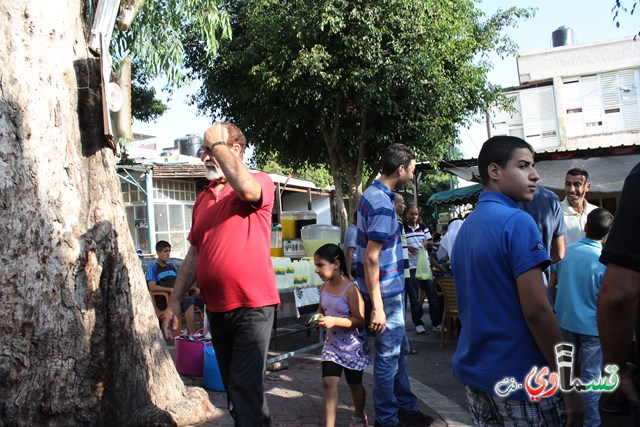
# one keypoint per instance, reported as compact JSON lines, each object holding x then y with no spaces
{"x":380,"y":274}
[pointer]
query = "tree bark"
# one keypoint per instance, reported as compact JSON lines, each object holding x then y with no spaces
{"x":79,"y":339}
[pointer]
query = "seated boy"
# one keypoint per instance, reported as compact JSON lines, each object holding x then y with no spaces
{"x":161,"y":276}
{"x":508,"y":324}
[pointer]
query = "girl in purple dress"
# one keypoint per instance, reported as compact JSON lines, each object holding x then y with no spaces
{"x":341,"y":313}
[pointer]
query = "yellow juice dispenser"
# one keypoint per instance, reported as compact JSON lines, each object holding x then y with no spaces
{"x":292,"y":223}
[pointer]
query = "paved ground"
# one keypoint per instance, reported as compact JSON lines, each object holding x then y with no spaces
{"x":294,"y":394}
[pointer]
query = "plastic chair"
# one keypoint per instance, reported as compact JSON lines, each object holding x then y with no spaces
{"x":445,"y":286}
{"x":198,"y":314}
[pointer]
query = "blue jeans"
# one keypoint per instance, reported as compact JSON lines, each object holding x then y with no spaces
{"x":587,"y":355}
{"x":391,"y":388}
{"x":411,"y":289}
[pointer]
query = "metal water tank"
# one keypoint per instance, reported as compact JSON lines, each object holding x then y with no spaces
{"x":563,"y":36}
{"x":190,"y":144}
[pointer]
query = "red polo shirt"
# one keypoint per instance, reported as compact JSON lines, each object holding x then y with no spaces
{"x":233,"y":242}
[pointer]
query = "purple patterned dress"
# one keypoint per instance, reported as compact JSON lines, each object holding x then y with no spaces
{"x":347,"y":347}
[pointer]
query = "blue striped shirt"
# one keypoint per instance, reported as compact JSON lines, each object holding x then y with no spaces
{"x":377,"y":222}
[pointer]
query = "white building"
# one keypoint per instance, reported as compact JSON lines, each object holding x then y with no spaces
{"x":575,"y":97}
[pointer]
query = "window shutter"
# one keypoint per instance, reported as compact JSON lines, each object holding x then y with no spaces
{"x":573,"y":105}
{"x":628,"y":90}
{"x":507,"y":123}
{"x":539,"y":117}
{"x":591,"y":105}
{"x":611,"y":102}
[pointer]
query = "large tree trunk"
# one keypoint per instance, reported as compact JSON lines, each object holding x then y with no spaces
{"x":79,"y":340}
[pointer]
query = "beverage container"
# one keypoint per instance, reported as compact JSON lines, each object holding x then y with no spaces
{"x":276,"y":241}
{"x":293,"y":221}
{"x":288,"y":221}
{"x":317,"y":235}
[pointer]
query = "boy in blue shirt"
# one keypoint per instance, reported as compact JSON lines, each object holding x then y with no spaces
{"x":508,"y":324}
{"x":161,"y":277}
{"x":578,"y":278}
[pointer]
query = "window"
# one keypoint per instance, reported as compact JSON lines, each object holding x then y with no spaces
{"x":173,"y":207}
{"x":136,"y":210}
{"x":534,"y":119}
{"x":539,"y":117}
{"x":601,"y":103}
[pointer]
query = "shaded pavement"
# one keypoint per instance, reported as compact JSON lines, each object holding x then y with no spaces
{"x":294,"y":394}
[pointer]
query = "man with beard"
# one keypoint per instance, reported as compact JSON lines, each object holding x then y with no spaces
{"x":575,"y":207}
{"x":231,"y":230}
{"x":380,"y":274}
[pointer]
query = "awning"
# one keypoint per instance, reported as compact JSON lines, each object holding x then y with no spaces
{"x":607,"y":166}
{"x":460,"y":195}
{"x":606,"y":174}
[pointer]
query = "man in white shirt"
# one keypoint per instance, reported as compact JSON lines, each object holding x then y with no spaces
{"x":575,"y":207}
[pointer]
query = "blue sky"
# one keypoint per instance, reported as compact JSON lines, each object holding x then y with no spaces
{"x":591,"y":21}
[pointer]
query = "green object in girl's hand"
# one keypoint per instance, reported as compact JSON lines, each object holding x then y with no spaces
{"x":314,"y":320}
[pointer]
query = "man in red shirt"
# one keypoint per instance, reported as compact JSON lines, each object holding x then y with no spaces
{"x":230,"y":258}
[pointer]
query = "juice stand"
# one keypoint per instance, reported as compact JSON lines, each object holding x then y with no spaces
{"x":297,"y":282}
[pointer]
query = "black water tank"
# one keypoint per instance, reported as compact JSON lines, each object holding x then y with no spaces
{"x":189,"y":145}
{"x":563,"y":36}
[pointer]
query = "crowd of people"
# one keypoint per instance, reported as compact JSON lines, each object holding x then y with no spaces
{"x":531,"y":281}
{"x":531,"y":272}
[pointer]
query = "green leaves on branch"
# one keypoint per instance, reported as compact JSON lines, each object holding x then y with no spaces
{"x":161,"y":30}
{"x":333,"y":82}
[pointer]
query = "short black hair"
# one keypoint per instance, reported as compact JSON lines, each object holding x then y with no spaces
{"x":599,"y":223}
{"x":162,"y":245}
{"x":395,"y":155}
{"x":499,"y":150}
{"x":332,"y":253}
{"x":579,"y":172}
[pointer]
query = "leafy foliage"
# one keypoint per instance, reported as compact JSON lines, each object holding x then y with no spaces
{"x":335,"y":81}
{"x":156,"y":43}
{"x":319,"y":175}
{"x":157,"y":38}
{"x":146,"y":107}
{"x":619,"y":7}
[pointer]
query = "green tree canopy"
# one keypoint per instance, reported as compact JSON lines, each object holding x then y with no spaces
{"x":335,"y":81}
{"x":156,"y":41}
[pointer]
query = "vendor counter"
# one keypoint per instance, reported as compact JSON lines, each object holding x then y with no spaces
{"x":299,"y":289}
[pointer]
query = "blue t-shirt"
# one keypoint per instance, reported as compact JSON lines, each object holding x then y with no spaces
{"x":163,"y":276}
{"x":546,"y":210}
{"x":377,"y":222}
{"x":579,"y":278}
{"x":496,"y":244}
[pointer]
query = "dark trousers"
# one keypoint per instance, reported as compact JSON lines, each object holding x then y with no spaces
{"x":241,"y":341}
{"x":411,"y":290}
{"x":436,"y":304}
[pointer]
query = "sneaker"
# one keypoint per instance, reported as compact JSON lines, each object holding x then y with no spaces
{"x":416,"y":418}
{"x":420,"y":329}
{"x":437,"y":328}
{"x":359,"y":422}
